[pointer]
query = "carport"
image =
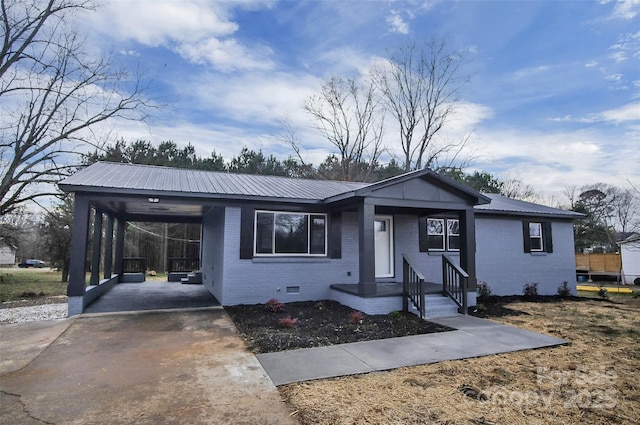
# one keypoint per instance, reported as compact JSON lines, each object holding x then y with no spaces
{"x":102,"y":208}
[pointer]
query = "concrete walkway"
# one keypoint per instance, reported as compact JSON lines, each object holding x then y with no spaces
{"x":474,"y":337}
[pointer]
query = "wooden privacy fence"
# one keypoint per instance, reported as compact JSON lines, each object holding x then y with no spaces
{"x":598,"y":264}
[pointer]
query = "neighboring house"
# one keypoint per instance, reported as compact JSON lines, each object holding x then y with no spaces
{"x":269,"y":237}
{"x":7,"y":254}
{"x":630,"y":253}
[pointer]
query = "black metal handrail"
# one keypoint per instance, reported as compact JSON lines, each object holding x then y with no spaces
{"x":413,"y":287}
{"x":183,"y":264}
{"x":134,"y":265}
{"x":455,"y":282}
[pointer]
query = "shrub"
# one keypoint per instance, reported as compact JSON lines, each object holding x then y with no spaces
{"x":480,"y":307}
{"x":319,"y":305}
{"x":274,"y":306}
{"x":356,"y":317}
{"x":484,"y":290}
{"x":563,"y":290}
{"x":530,"y":289}
{"x":602,"y":293}
{"x":288,"y":322}
{"x":395,"y":315}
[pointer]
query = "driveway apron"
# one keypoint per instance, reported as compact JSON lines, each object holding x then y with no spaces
{"x":143,"y":368}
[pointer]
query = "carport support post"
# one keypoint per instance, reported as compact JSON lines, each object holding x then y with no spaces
{"x":367,"y":255}
{"x":95,"y":249}
{"x":79,"y":241}
{"x":468,"y":247}
{"x":108,"y":248}
{"x":120,"y":248}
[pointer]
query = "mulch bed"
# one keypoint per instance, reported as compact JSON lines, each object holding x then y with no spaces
{"x":320,"y":324}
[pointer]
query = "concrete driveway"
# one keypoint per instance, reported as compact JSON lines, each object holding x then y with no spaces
{"x":179,"y":367}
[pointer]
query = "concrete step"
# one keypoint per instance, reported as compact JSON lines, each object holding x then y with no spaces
{"x":437,"y":306}
{"x":192,"y":278}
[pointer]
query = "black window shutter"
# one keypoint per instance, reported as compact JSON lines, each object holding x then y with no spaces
{"x":423,"y":240}
{"x":526,"y":236}
{"x":335,"y":235}
{"x":247,"y":216}
{"x":548,"y":237}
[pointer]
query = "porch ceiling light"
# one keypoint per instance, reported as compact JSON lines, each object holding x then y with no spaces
{"x":154,"y":200}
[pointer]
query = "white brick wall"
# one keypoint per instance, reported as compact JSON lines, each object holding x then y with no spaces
{"x":260,"y":279}
{"x":500,"y":259}
{"x":503,"y":264}
{"x":213,"y":251}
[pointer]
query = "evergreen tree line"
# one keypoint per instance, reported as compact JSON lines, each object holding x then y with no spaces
{"x":248,"y":161}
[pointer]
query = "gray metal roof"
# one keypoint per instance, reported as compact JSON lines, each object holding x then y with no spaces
{"x":631,"y":239}
{"x":135,"y":178}
{"x":507,"y":206}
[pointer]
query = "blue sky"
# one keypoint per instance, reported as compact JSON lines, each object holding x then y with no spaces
{"x":554,"y":95}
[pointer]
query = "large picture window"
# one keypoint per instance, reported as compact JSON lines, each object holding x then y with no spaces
{"x":443,"y":234}
{"x":285,"y":233}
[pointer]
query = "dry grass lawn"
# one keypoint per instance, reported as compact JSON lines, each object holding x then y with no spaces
{"x":595,"y":380}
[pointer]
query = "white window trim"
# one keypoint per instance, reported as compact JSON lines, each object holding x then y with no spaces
{"x":448,"y":234}
{"x":541,"y":237}
{"x":445,"y":235}
{"x":273,"y":236}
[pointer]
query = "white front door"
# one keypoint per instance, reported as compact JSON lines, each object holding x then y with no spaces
{"x":383,"y":230}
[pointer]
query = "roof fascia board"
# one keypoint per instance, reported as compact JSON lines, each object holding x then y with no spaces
{"x":94,"y":191}
{"x":500,"y":213}
{"x":408,"y":203}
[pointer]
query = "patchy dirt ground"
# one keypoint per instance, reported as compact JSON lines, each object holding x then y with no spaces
{"x":595,"y":380}
{"x":34,"y":300}
{"x":319,"y":324}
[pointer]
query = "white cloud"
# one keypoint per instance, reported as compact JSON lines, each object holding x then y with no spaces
{"x":552,"y":161}
{"x":591,"y":64}
{"x":614,"y":77}
{"x":618,"y":57}
{"x":396,"y":24}
{"x":467,"y":116}
{"x":624,"y":9}
{"x":129,"y":52}
{"x":227,"y":55}
{"x":530,"y":72}
{"x":256,"y":98}
{"x":625,"y":113}
{"x":200,"y":31}
{"x":630,"y":112}
{"x":344,"y":61}
{"x":156,"y":22}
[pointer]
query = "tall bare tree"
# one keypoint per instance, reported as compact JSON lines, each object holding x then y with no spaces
{"x":421,"y":84}
{"x":625,"y":206}
{"x":52,"y":96}
{"x":347,"y":114}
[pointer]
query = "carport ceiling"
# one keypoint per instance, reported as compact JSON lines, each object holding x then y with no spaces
{"x":152,"y":208}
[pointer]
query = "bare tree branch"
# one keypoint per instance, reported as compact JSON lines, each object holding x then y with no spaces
{"x":347,"y":114}
{"x":420,"y":86}
{"x":53,"y":95}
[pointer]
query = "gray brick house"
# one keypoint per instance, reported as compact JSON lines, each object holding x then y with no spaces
{"x":377,"y":247}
